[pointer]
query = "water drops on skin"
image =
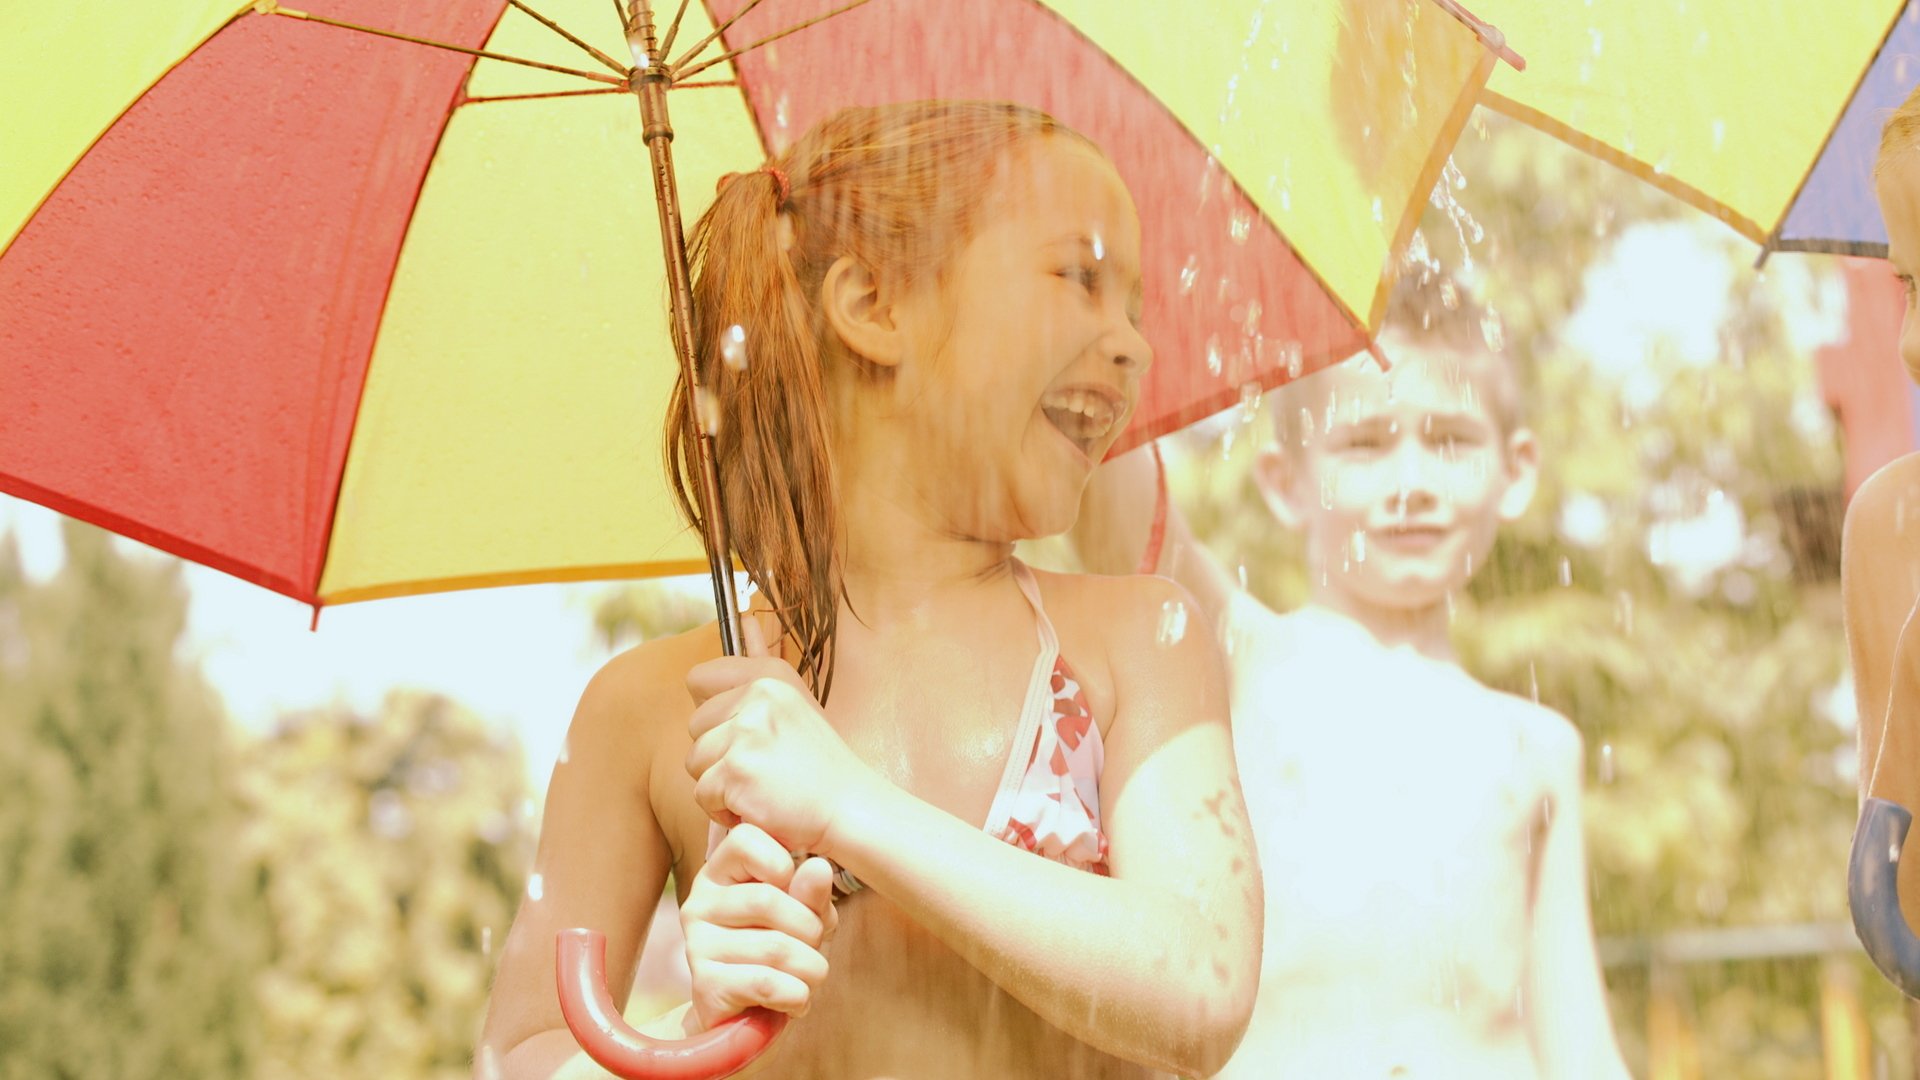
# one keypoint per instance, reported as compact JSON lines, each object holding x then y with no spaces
{"x":733,"y":343}
{"x":1357,"y":546}
{"x":1173,"y":623}
{"x":1099,"y":248}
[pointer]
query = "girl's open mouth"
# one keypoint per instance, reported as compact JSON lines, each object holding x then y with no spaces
{"x":1086,"y":415}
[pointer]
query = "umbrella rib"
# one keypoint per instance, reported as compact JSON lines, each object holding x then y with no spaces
{"x":794,"y":29}
{"x":614,"y":65}
{"x":673,"y":30}
{"x":551,"y":94}
{"x":481,"y":53}
{"x":717,"y":31}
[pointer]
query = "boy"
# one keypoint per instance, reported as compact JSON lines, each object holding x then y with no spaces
{"x":1419,"y":833}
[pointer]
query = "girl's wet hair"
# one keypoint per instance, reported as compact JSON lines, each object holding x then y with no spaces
{"x":898,"y":189}
{"x":1901,"y":131}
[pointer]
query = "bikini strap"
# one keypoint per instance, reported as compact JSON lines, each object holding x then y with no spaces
{"x":1035,"y":710}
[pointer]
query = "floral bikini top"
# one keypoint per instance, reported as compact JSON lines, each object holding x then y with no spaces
{"x":1049,"y":796}
{"x":1048,"y":801}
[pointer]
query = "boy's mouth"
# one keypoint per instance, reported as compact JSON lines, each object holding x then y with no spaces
{"x":1086,"y":415}
{"x":1411,"y":538}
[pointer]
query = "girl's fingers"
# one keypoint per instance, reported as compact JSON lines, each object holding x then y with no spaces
{"x":759,"y":948}
{"x":710,"y":741}
{"x":753,"y":638}
{"x":812,"y":887}
{"x":749,"y":854}
{"x":724,"y":673}
{"x":724,"y":990}
{"x":710,"y":795}
{"x":759,"y":906}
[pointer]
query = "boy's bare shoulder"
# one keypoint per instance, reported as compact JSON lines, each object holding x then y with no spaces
{"x":1546,"y":736}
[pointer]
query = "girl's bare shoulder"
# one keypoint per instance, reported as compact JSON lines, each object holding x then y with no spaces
{"x":638,"y":699}
{"x":1883,"y":521}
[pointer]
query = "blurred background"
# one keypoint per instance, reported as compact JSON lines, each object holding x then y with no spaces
{"x":234,"y":846}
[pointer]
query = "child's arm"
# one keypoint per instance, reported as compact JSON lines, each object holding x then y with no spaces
{"x":1880,"y":586}
{"x":1115,"y":529}
{"x":1157,"y":963}
{"x":1566,"y":1002}
{"x":602,"y":863}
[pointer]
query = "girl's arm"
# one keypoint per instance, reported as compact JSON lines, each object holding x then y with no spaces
{"x":602,"y":863}
{"x":1115,"y":530}
{"x":1158,"y":963}
{"x":1566,"y":1001}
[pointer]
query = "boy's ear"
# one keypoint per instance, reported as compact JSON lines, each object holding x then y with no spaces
{"x":1523,"y":474}
{"x":1274,"y":474}
{"x":861,"y":312}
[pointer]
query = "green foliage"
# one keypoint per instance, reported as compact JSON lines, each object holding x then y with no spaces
{"x":392,"y":852}
{"x":129,"y":946}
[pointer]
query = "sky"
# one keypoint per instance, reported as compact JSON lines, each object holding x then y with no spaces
{"x":519,"y":657}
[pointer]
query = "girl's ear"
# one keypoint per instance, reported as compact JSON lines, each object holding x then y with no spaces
{"x":862,"y":313}
{"x":1274,"y":474}
{"x":1523,"y":474}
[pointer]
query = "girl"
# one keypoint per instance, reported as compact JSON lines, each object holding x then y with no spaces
{"x":1880,"y":556}
{"x":919,"y":325}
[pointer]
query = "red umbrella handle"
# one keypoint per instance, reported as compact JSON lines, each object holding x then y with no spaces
{"x":604,"y":1034}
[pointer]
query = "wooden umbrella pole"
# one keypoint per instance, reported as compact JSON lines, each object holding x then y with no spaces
{"x":651,"y":79}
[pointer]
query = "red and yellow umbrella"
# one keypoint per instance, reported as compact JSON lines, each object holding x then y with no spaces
{"x":366,"y":298}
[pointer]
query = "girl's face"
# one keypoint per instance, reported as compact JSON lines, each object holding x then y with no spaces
{"x":1898,"y":187}
{"x":1024,"y":362}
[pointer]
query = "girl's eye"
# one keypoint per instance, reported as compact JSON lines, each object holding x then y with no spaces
{"x":1087,"y":276}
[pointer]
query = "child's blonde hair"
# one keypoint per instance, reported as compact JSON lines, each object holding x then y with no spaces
{"x":1901,"y":131}
{"x":895,"y":187}
{"x":1432,"y":310}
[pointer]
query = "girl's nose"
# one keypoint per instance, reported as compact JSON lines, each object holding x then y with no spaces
{"x":1129,"y":348}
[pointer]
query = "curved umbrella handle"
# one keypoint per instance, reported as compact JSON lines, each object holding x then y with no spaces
{"x":1873,"y":893}
{"x":596,"y":1023}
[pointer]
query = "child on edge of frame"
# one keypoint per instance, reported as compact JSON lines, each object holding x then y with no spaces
{"x":920,"y":325}
{"x":1419,"y":833}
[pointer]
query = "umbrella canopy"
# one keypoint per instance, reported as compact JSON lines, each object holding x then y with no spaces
{"x":1836,"y":210}
{"x":1726,"y":104}
{"x":350,"y":316}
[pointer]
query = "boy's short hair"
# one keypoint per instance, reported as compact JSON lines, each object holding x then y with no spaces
{"x":1433,"y":311}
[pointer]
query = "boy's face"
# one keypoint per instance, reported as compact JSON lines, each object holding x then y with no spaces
{"x":1401,"y":480}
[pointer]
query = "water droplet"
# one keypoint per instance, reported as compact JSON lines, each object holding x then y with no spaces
{"x":733,"y":347}
{"x":1294,"y":358}
{"x":486,"y":1064}
{"x":536,"y":887}
{"x":1491,"y":329}
{"x":1566,"y":571}
{"x":708,"y":407}
{"x":1099,"y":248}
{"x":1606,"y":763}
{"x":1357,"y":545}
{"x":566,"y":750}
{"x":1449,"y":294}
{"x":1189,"y":274}
{"x":1250,"y":318}
{"x":1379,"y":213}
{"x":486,"y":941}
{"x":1173,"y":623}
{"x":780,"y":112}
{"x":1249,"y":402}
{"x":1215,"y":363}
{"x":1719,"y":134}
{"x":1240,"y":226}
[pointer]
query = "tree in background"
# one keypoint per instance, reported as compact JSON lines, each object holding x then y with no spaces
{"x":392,"y":851}
{"x":129,"y":945}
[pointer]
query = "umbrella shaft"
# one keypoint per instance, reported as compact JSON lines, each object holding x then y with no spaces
{"x":650,"y":86}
